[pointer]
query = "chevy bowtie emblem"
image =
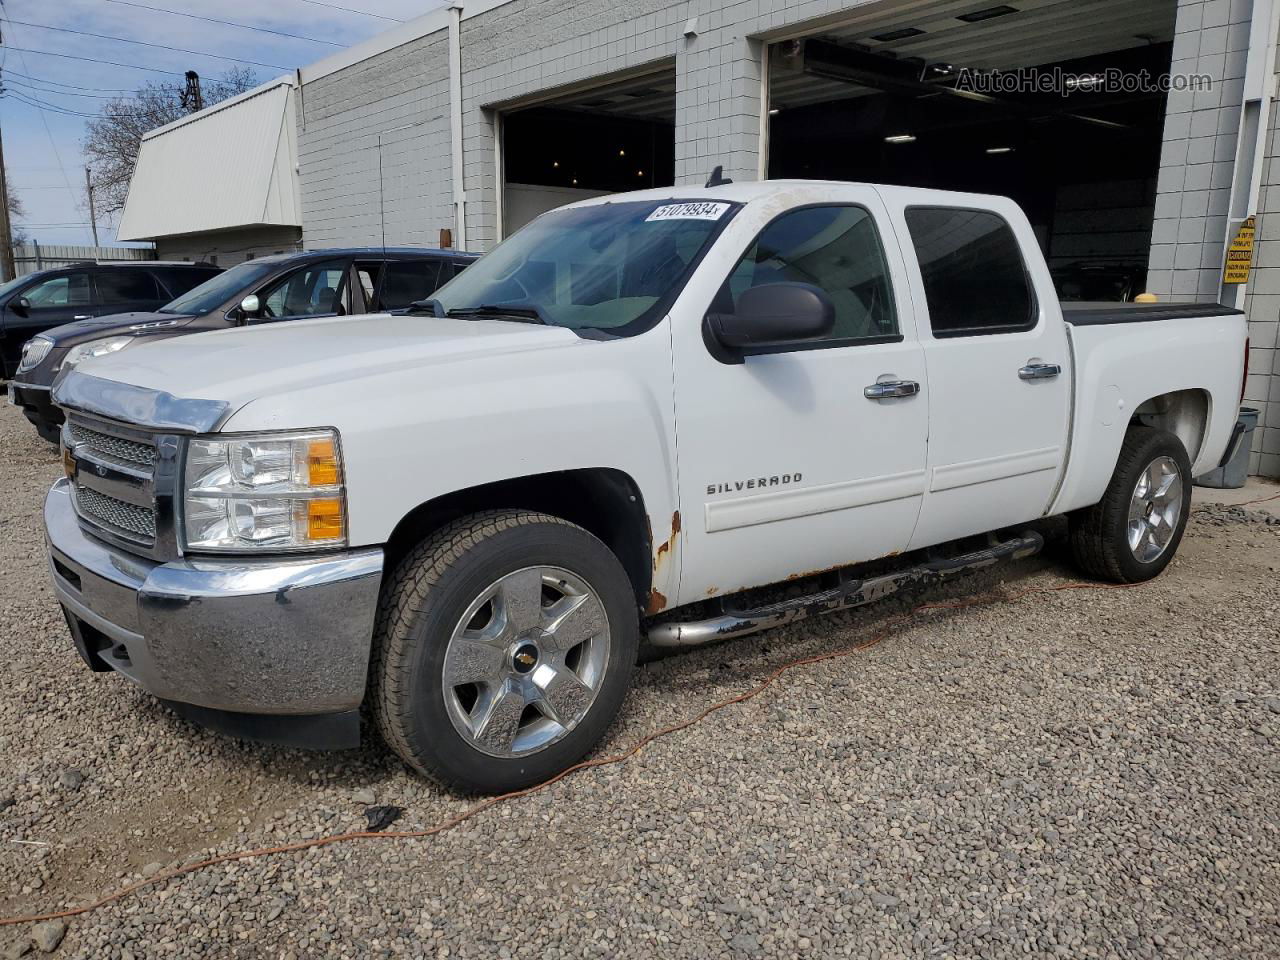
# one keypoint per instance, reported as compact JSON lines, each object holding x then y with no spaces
{"x":526,"y":659}
{"x":100,"y":470}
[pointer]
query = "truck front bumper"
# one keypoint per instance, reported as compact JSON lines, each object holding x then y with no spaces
{"x":273,"y":649}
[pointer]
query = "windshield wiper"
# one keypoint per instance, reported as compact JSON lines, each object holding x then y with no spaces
{"x":522,"y":312}
{"x":431,"y":307}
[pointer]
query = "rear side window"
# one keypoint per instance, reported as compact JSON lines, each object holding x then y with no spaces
{"x":405,"y":281}
{"x":127,"y":286}
{"x":974,"y":277}
{"x":835,"y":248}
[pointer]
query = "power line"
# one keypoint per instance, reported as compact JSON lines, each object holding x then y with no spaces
{"x":110,"y":63}
{"x":363,"y":13}
{"x":59,"y":83}
{"x":144,"y":43}
{"x":229,"y":23}
{"x":22,"y":85}
{"x":44,"y":118}
{"x":29,"y":100}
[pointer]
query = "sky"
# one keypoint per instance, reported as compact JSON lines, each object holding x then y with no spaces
{"x":42,"y":144}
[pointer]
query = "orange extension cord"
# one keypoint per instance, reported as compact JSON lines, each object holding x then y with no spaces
{"x":625,"y":755}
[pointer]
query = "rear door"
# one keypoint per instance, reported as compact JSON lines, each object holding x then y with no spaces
{"x":406,"y":281}
{"x":999,"y":370}
{"x":127,"y":289}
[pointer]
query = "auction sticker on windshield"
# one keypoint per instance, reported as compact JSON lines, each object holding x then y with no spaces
{"x":689,"y":211}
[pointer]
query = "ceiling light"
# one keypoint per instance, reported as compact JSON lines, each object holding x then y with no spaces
{"x":988,"y":14}
{"x":900,"y":138}
{"x":893,"y":35}
{"x":999,"y":149}
{"x":555,"y":163}
{"x":622,"y":153}
{"x":774,"y":111}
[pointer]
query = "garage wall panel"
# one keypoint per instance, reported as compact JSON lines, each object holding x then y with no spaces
{"x":339,"y":121}
{"x":1198,"y":151}
{"x":229,"y":247}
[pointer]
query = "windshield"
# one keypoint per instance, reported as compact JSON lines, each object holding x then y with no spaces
{"x":213,"y":293}
{"x":609,"y":266}
{"x":12,"y":285}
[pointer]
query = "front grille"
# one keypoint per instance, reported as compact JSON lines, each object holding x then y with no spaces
{"x":119,"y":450}
{"x":128,"y":519}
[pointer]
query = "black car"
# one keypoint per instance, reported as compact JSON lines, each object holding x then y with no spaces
{"x":289,"y":286}
{"x":49,"y":298}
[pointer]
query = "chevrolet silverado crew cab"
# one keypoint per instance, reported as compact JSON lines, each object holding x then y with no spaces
{"x":285,"y":286}
{"x":629,"y":419}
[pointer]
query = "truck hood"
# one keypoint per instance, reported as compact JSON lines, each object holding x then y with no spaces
{"x":251,"y":363}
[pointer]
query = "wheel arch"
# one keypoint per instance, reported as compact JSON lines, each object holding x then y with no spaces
{"x":1187,"y":414}
{"x":604,"y":501}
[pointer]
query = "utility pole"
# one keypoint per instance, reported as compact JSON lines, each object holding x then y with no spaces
{"x":192,"y":98}
{"x":7,"y":268}
{"x":93,"y":217}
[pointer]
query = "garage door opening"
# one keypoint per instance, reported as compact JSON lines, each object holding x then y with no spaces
{"x":1070,"y":127}
{"x":585,"y":143}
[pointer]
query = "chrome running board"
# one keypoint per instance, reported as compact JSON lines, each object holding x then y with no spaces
{"x":849,"y":593}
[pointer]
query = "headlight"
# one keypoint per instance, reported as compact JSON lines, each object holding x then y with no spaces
{"x":95,"y":348}
{"x":274,"y":491}
{"x":33,"y":351}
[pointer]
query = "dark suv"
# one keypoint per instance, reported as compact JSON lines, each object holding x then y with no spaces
{"x":288,"y":286}
{"x":49,"y":298}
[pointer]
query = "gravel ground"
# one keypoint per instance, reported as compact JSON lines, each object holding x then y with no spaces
{"x":1083,"y":774}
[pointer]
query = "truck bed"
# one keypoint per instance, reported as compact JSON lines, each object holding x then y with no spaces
{"x":1096,"y":314}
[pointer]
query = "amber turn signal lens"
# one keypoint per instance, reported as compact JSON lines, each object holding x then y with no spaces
{"x":68,"y":463}
{"x":324,"y":519}
{"x":322,"y":463}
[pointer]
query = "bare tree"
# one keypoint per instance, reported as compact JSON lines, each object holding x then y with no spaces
{"x":112,"y":139}
{"x":16,"y":212}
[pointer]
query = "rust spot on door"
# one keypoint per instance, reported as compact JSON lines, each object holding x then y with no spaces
{"x":667,"y":545}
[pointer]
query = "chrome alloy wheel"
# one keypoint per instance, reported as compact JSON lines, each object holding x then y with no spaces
{"x":526,"y":660}
{"x":1155,"y":509}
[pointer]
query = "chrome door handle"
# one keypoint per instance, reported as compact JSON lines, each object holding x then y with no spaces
{"x":890,"y":389}
{"x":83,"y":316}
{"x":1039,"y":371}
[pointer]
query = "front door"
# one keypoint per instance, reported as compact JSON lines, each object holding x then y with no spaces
{"x":999,"y":373}
{"x":802,"y":459}
{"x":51,"y":301}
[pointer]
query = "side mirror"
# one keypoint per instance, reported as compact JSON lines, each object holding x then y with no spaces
{"x":774,"y":314}
{"x":21,"y":306}
{"x":250,"y":305}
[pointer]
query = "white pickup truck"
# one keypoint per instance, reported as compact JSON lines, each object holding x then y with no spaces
{"x":617,"y":424}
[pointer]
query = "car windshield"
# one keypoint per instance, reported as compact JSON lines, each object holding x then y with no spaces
{"x":213,"y":293}
{"x":12,"y":285}
{"x":609,"y":266}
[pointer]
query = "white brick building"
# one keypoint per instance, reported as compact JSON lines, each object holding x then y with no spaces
{"x":473,"y":118}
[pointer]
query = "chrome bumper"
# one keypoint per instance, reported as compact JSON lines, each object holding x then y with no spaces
{"x":279,"y":636}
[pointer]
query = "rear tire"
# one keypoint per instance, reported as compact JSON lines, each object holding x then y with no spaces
{"x":503,"y":650}
{"x":1132,"y":534}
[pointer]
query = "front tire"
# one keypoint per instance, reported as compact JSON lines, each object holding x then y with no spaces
{"x":503,"y":650}
{"x":1132,"y":534}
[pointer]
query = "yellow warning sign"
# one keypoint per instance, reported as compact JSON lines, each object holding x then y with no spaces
{"x":1240,"y":253}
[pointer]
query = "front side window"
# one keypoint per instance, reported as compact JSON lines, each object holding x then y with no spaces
{"x":834,"y":248}
{"x":974,"y":278}
{"x":609,"y":266}
{"x":68,"y":290}
{"x":318,"y":289}
{"x":407,"y":281}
